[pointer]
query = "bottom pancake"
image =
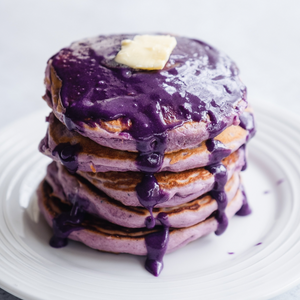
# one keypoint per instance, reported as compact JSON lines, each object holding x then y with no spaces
{"x":105,"y":236}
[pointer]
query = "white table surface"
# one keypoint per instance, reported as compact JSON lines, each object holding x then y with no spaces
{"x":262,"y":36}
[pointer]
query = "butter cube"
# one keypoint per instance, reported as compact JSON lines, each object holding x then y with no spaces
{"x":146,"y":52}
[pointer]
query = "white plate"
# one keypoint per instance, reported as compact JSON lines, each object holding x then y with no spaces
{"x":256,"y":258}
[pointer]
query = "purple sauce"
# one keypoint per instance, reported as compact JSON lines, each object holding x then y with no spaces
{"x":149,"y":161}
{"x":64,"y":225}
{"x":258,"y":244}
{"x":217,"y":150}
{"x":156,"y":244}
{"x":245,"y":158}
{"x":230,"y":253}
{"x":280,"y":181}
{"x":218,"y":193}
{"x":247,"y":123}
{"x":150,"y":194}
{"x":90,"y":77}
{"x":69,"y":221}
{"x":68,"y":155}
{"x":245,"y":210}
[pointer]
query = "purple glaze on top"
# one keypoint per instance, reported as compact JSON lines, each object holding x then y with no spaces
{"x":258,"y":244}
{"x":218,"y":193}
{"x":197,"y":81}
{"x":230,"y":253}
{"x":156,"y":244}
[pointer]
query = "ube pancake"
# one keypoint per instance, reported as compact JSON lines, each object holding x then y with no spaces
{"x":70,"y":187}
{"x":193,"y":98}
{"x":178,"y":187}
{"x":92,"y":157}
{"x":105,"y":236}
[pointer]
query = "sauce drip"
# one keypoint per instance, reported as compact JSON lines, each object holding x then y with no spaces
{"x":245,"y":210}
{"x":149,"y":161}
{"x":245,"y":157}
{"x":64,"y":225}
{"x":218,"y":193}
{"x":247,"y":123}
{"x":68,"y":155}
{"x":67,"y":222}
{"x":149,"y":195}
{"x":156,"y":244}
{"x":217,"y":150}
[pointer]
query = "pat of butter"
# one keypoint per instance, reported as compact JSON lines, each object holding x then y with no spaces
{"x":147,"y":52}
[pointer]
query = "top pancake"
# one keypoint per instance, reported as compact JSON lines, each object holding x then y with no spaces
{"x":195,"y":97}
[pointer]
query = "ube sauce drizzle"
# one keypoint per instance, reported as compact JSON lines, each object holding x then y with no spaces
{"x":217,"y":150}
{"x":218,"y":193}
{"x":156,"y":244}
{"x":67,"y":154}
{"x":197,"y":84}
{"x":247,"y":123}
{"x":245,"y":210}
{"x":67,"y":222}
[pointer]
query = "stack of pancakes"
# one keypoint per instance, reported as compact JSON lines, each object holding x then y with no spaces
{"x":144,"y":162}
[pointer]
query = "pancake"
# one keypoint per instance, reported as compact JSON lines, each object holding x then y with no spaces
{"x":193,"y":98}
{"x":104,"y":236}
{"x":71,"y":187}
{"x":92,"y":157}
{"x":178,"y":188}
{"x":144,"y":161}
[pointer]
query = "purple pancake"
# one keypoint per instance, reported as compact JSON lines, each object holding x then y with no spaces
{"x":178,"y":188}
{"x":66,"y":186}
{"x":105,"y":236}
{"x":92,"y":157}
